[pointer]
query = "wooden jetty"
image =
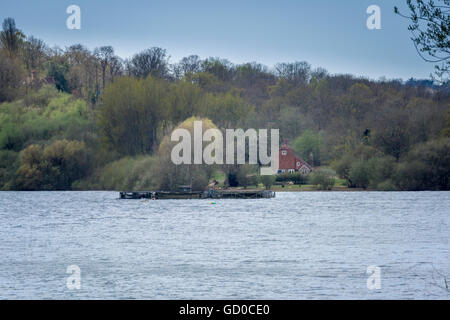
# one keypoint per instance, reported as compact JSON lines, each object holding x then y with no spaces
{"x":211,"y":194}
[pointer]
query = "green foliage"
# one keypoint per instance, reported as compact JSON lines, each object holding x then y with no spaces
{"x":240,"y":175}
{"x":267,"y":180}
{"x":232,"y":179}
{"x":132,"y":114}
{"x":360,"y":174}
{"x":253,"y":180}
{"x":171,"y":176}
{"x":11,"y":138}
{"x":200,"y":179}
{"x":296,"y":177}
{"x":292,"y":122}
{"x":117,"y":175}
{"x":446,"y":131}
{"x":381,"y":170}
{"x":246,"y":175}
{"x":129,"y":173}
{"x":393,"y":139}
{"x":11,"y":38}
{"x":365,"y":167}
{"x":426,"y":167}
{"x":58,"y":72}
{"x":387,"y":185}
{"x":184,"y":101}
{"x":323,"y":179}
{"x":308,"y":145}
{"x":225,"y":109}
{"x":208,"y":82}
{"x":48,"y":116}
{"x":56,"y":166}
{"x":343,"y":166}
{"x":150,"y":62}
{"x":11,"y":78}
{"x":42,"y":97}
{"x":8,"y":166}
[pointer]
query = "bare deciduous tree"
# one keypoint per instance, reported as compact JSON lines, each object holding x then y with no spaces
{"x":153,"y":61}
{"x":33,"y":53}
{"x":430,"y":29}
{"x":295,"y":72}
{"x":104,"y":54}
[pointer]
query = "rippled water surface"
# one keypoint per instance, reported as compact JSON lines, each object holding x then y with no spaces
{"x":309,"y":245}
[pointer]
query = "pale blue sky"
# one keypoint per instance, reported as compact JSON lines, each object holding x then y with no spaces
{"x":331,"y":34}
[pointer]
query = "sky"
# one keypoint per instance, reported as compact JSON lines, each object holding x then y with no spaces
{"x":331,"y":34}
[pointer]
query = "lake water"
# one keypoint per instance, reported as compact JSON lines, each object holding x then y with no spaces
{"x":308,"y":245}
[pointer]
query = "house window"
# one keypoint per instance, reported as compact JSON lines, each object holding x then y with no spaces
{"x":283,"y":171}
{"x":298,"y":163}
{"x":283,"y":152}
{"x":304,"y":170}
{"x":291,"y":170}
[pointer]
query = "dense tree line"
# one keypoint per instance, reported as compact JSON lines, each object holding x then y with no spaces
{"x":75,"y":118}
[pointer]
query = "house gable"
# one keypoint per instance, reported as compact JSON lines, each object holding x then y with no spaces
{"x":290,"y":161}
